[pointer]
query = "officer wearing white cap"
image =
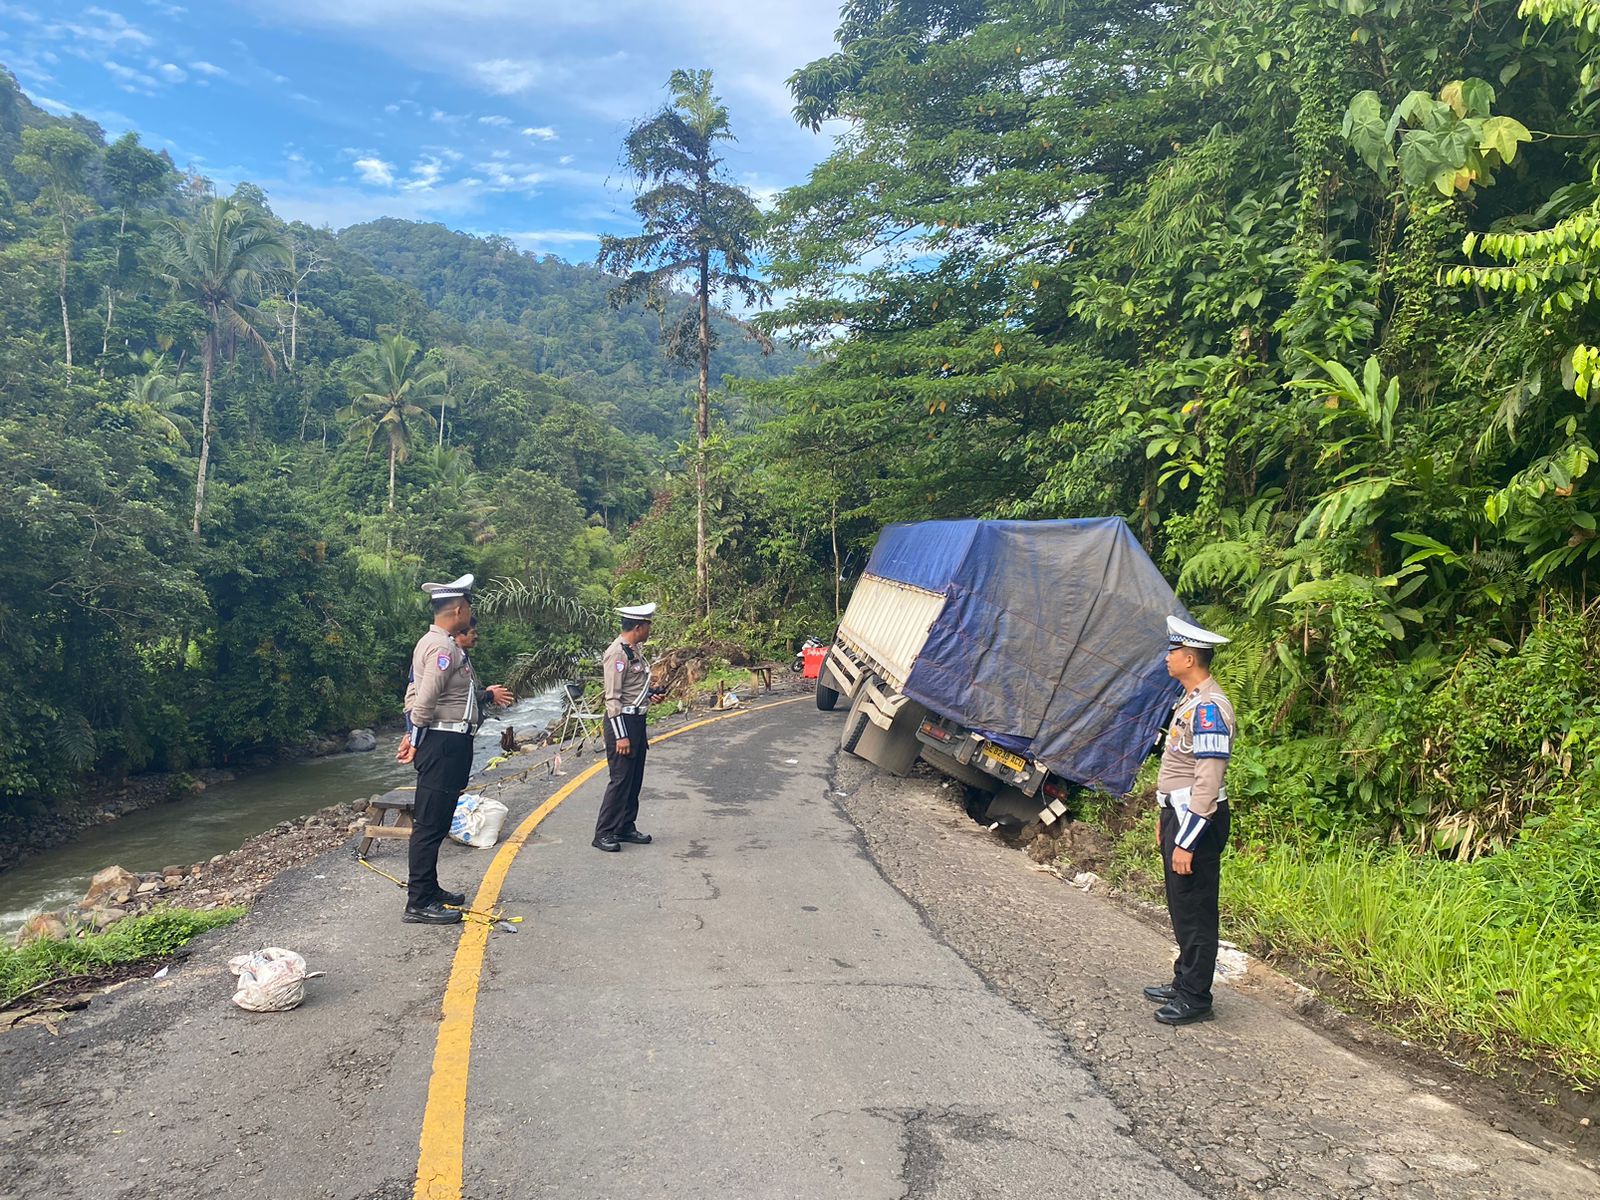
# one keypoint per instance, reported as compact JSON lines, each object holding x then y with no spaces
{"x":627,"y":694}
{"x":446,"y":706}
{"x":1194,"y":820}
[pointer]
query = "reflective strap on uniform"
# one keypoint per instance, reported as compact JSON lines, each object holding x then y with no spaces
{"x":1190,"y":827}
{"x":452,"y":726}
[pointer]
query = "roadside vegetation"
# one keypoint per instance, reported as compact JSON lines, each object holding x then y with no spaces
{"x":89,"y":957}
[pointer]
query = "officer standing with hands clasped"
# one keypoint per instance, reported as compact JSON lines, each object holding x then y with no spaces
{"x":628,"y":695}
{"x":446,"y":707}
{"x":1193,"y":829}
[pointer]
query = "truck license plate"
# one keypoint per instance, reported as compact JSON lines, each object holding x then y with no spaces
{"x":1004,"y":757}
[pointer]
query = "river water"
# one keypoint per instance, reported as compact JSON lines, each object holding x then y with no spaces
{"x":226,"y":815}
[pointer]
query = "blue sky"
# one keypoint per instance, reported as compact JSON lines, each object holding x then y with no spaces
{"x":493,"y":116}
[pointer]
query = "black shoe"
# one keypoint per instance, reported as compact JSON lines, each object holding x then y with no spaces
{"x":635,"y":837}
{"x":1181,"y":1012}
{"x":607,"y":843}
{"x":456,"y":898}
{"x":432,"y":913}
{"x":1161,"y":993}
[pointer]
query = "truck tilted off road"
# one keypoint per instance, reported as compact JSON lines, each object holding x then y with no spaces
{"x":1021,"y":658}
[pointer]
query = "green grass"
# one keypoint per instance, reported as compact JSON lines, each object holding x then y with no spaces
{"x":1443,"y":945}
{"x":1503,"y":952}
{"x":132,"y":940}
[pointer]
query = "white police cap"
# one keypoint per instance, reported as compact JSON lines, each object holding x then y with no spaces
{"x":637,"y":612}
{"x":1182,"y":633}
{"x":451,"y":590}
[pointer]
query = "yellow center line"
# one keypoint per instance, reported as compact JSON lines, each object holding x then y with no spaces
{"x":444,"y":1122}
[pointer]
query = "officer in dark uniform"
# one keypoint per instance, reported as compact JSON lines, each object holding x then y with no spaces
{"x":446,"y":707}
{"x":1194,"y":820}
{"x":627,"y":695}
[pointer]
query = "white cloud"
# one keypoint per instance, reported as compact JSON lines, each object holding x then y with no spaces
{"x":508,"y":76}
{"x":494,"y":120}
{"x":565,"y":160}
{"x":375,"y":170}
{"x":172,"y":72}
{"x":102,"y":28}
{"x":391,"y":108}
{"x":541,"y":239}
{"x":130,"y":80}
{"x":543,"y":132}
{"x":425,"y":172}
{"x":202,"y":67}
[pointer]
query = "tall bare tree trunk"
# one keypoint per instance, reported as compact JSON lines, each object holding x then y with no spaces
{"x":388,"y":533}
{"x":833,"y":528}
{"x":207,"y":357}
{"x":61,"y":291}
{"x":111,"y":294}
{"x":702,"y":429}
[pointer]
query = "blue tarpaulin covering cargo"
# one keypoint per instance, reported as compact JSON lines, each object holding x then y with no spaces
{"x":1051,"y":642}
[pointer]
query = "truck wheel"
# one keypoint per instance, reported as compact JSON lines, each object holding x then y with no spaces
{"x":855,"y":724}
{"x":826,"y":697}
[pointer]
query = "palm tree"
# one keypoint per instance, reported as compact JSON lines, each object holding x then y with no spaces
{"x":221,"y":260}
{"x":156,"y":396}
{"x":699,"y":227}
{"x":387,"y":383}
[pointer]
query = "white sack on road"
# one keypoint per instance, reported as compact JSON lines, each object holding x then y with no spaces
{"x":270,"y":980}
{"x":477,"y":821}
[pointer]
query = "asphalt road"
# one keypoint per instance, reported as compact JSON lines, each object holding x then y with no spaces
{"x":751,"y":1007}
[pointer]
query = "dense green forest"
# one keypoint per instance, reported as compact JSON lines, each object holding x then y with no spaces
{"x":364,"y":410}
{"x":1302,"y":289}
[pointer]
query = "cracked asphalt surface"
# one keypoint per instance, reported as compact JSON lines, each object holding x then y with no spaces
{"x":792,"y":993}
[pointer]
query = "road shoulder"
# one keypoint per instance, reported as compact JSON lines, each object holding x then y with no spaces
{"x":1256,"y":1102}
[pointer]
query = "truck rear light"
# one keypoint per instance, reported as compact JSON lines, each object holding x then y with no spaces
{"x":1055,"y":787}
{"x":937,"y":732}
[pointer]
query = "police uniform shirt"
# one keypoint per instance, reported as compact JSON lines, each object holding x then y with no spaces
{"x":445,"y":691}
{"x":627,"y":685}
{"x":1194,"y":759}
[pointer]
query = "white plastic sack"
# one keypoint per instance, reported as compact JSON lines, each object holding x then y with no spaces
{"x":270,"y":980}
{"x":477,"y":821}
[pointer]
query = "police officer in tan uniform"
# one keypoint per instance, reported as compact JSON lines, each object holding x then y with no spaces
{"x":1194,"y":820}
{"x":628,"y":695}
{"x":446,"y":707}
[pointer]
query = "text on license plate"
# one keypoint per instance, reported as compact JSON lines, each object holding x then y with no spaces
{"x":1004,"y":757}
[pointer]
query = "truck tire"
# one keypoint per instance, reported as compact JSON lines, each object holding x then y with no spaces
{"x":855,"y":724}
{"x":827,"y":697}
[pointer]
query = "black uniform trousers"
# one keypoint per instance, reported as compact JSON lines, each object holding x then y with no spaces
{"x":1192,"y":904}
{"x":620,"y":808}
{"x":444,"y":763}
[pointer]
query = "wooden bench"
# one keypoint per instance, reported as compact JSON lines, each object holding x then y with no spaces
{"x":761,"y":673}
{"x":399,"y":802}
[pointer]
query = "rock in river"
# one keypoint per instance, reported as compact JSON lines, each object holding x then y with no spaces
{"x":108,"y":883}
{"x":361,"y":739}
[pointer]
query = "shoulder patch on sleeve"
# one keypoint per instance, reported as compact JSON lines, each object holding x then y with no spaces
{"x":621,"y":666}
{"x":443,"y":662}
{"x":1212,"y":737}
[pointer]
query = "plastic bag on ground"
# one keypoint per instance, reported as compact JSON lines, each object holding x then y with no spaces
{"x":270,"y":980}
{"x":477,"y":821}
